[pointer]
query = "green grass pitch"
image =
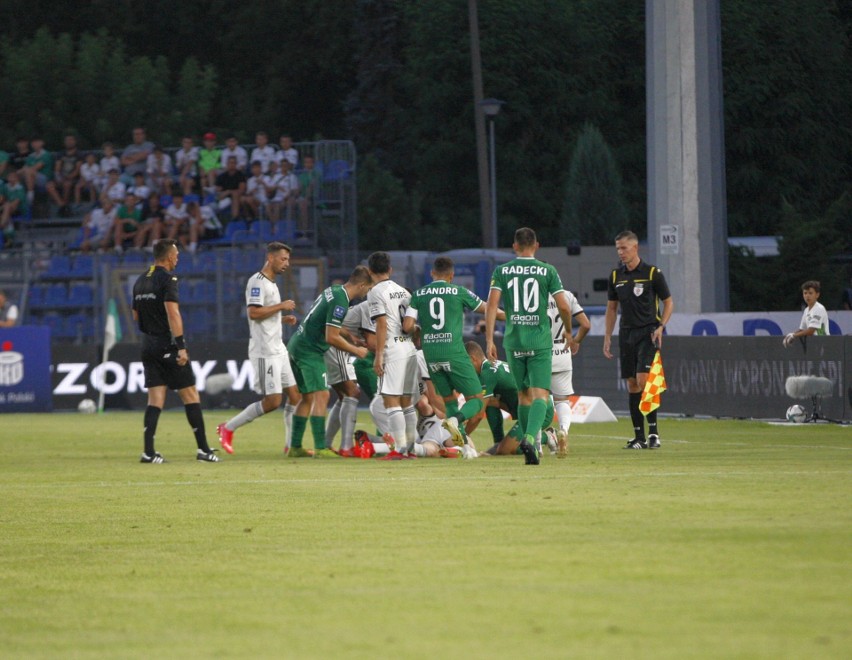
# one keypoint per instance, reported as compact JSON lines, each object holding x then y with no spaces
{"x":732,"y":541}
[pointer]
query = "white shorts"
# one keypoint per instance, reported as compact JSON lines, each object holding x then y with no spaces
{"x":561,"y":383}
{"x":272,"y":375}
{"x":339,"y":366}
{"x":401,"y":378}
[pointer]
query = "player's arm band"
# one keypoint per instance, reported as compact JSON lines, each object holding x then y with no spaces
{"x":180,"y":342}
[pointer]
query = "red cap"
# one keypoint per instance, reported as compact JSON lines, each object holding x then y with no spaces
{"x":209,"y":136}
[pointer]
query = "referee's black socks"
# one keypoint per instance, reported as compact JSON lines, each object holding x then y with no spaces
{"x":196,"y":421}
{"x":152,"y":416}
{"x":636,"y":416}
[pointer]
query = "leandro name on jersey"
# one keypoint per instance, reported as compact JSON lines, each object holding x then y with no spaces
{"x":440,"y":308}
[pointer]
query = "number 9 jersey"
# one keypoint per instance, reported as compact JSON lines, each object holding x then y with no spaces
{"x":524,"y":283}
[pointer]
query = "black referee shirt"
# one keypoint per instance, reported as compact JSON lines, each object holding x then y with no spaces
{"x":639,"y":291}
{"x":150,"y":293}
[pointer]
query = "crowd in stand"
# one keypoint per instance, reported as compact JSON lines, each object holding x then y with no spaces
{"x":143,"y":193}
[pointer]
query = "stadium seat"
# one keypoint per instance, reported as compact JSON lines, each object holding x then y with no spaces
{"x":263,"y":230}
{"x":204,"y":292}
{"x":56,"y":296}
{"x":285,"y":230}
{"x":80,"y":326}
{"x":36,"y":295}
{"x":233,"y":227}
{"x":336,"y":170}
{"x":133,"y":259}
{"x":83,"y":267}
{"x":80,"y":295}
{"x":52,"y":320}
{"x":59,"y":268}
{"x":165,"y":201}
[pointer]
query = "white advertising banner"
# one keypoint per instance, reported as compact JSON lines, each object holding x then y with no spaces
{"x":740,"y":324}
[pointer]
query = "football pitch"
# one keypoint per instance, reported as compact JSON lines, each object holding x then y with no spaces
{"x":733,"y":540}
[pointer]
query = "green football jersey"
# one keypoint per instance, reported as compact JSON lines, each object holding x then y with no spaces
{"x":329,"y":308}
{"x":497,"y":381}
{"x":525,"y":283}
{"x":440,"y":309}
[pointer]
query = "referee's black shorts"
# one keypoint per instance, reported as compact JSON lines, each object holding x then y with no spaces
{"x":636,"y":350}
{"x":159,"y":359}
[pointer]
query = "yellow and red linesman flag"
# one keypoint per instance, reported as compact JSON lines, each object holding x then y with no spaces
{"x":654,"y":386}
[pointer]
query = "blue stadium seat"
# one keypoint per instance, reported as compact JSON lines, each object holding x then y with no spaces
{"x":336,"y":170}
{"x":133,"y":259}
{"x":191,"y":198}
{"x":52,"y":320}
{"x":165,"y":201}
{"x":263,"y":229}
{"x":59,"y":268}
{"x":56,"y":296}
{"x":204,"y":292}
{"x":285,"y":230}
{"x":80,"y":295}
{"x":36,"y":295}
{"x":83,"y":266}
{"x":79,"y":325}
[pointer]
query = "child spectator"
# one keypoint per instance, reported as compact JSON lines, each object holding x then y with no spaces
{"x":176,"y":220}
{"x":114,"y":188}
{"x":135,"y":155}
{"x":234,"y":150}
{"x":255,"y":196}
{"x":109,"y":161}
{"x":18,"y":160}
{"x":14,"y":202}
{"x":287,"y":151}
{"x":209,"y":161}
{"x":127,"y":222}
{"x":139,"y":188}
{"x":274,"y":193}
{"x":160,"y":173}
{"x":151,"y":228}
{"x":97,"y":226}
{"x":39,"y":171}
{"x":186,"y":161}
{"x":309,"y":187}
{"x":289,"y":188}
{"x":66,"y":174}
{"x":4,"y":164}
{"x":264,"y":153}
{"x":90,"y":179}
{"x":230,"y":188}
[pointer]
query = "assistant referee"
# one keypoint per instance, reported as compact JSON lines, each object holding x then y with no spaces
{"x":638,"y":287}
{"x":164,"y":355}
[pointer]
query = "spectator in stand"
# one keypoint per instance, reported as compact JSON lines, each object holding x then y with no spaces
{"x":4,"y":164}
{"x":264,"y":153}
{"x":290,"y":189}
{"x":114,"y":188}
{"x":254,"y":200}
{"x":18,"y":159}
{"x":204,"y":225}
{"x":90,"y":179}
{"x":209,"y":162}
{"x":127,"y":222}
{"x":151,"y":228}
{"x":274,"y":193}
{"x":176,"y":220}
{"x":8,"y":312}
{"x":109,"y":161}
{"x":309,"y":184}
{"x":39,"y":172}
{"x":287,"y":151}
{"x":160,"y":172}
{"x":14,"y":198}
{"x":234,"y":150}
{"x":98,"y":226}
{"x":66,"y":174}
{"x":140,"y":188}
{"x":230,"y":188}
{"x":186,"y":162}
{"x":135,"y":156}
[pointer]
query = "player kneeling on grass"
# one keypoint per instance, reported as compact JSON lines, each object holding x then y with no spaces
{"x":272,"y":372}
{"x":164,"y":355}
{"x":318,"y":330}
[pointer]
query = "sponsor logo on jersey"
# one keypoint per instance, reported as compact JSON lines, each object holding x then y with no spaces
{"x":339,"y":312}
{"x":440,"y":366}
{"x":520,"y":354}
{"x":438,"y":337}
{"x":524,"y":319}
{"x":397,"y":294}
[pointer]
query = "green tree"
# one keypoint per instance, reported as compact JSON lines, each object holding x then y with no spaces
{"x":594,"y":210}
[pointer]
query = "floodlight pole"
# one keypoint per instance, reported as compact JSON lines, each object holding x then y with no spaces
{"x":491,"y":108}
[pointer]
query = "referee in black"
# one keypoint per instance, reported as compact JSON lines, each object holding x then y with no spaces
{"x":164,"y":355}
{"x":638,"y":287}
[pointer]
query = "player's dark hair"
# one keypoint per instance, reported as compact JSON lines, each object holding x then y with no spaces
{"x":379,"y":263}
{"x":525,"y":237}
{"x":275,"y":246}
{"x":474,"y":349}
{"x":163,"y":247}
{"x":442,"y":265}
{"x":360,"y":275}
{"x":811,"y":284}
{"x":627,"y":235}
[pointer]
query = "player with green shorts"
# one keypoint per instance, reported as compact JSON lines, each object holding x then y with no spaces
{"x":524,"y":283}
{"x":439,"y":307}
{"x":318,"y":330}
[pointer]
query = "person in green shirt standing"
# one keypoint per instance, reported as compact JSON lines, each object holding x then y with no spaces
{"x":318,"y":330}
{"x":127,"y":221}
{"x":524,"y":283}
{"x":439,"y":307}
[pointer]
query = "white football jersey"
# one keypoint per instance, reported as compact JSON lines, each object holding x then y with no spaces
{"x":183,"y":158}
{"x":274,"y":181}
{"x":175,"y":212}
{"x":389,"y":299}
{"x":265,"y":336}
{"x":815,"y":317}
{"x":237,"y":152}
{"x":561,"y":352}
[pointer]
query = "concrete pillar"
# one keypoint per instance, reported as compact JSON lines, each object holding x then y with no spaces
{"x":687,"y":219}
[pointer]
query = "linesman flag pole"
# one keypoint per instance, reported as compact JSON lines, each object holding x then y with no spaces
{"x":654,"y":386}
{"x":112,"y":335}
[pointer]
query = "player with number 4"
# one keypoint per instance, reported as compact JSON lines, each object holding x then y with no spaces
{"x":525,"y":283}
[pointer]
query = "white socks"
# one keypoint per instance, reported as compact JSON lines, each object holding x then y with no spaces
{"x":380,"y":415}
{"x":348,"y":415}
{"x":251,"y":413}
{"x":563,"y":412}
{"x":289,"y":409}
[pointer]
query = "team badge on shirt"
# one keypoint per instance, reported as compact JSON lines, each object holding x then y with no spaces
{"x":255,"y":291}
{"x":638,"y":288}
{"x":339,"y":312}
